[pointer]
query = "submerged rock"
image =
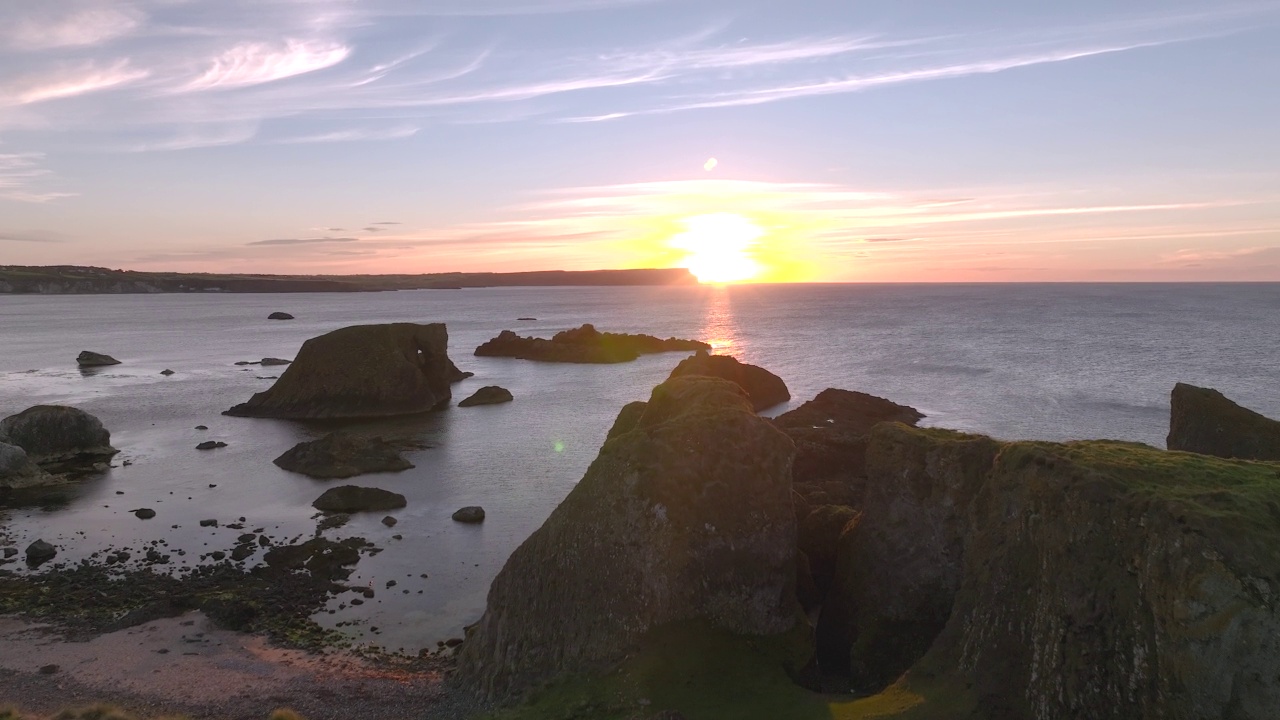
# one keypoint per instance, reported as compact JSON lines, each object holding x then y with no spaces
{"x":685,"y":516}
{"x":339,"y":455}
{"x":583,"y":345}
{"x":469,"y":514}
{"x":1087,"y":579}
{"x":57,"y":435}
{"x":279,"y":316}
{"x":87,"y":358}
{"x":1202,"y":420}
{"x":17,"y":471}
{"x":351,"y":498}
{"x":166,"y":372}
{"x":763,"y":387}
{"x":361,"y":371}
{"x":488,"y":395}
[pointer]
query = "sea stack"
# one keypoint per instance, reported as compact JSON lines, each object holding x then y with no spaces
{"x":361,"y":371}
{"x":1203,"y":420}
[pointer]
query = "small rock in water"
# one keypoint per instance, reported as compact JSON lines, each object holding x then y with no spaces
{"x":202,"y":427}
{"x":166,"y":371}
{"x":10,"y":552}
{"x":212,"y":522}
{"x":279,"y":316}
{"x":488,"y":395}
{"x":144,"y":513}
{"x":469,"y":514}
{"x":526,"y":319}
{"x":268,"y":362}
{"x":39,"y":552}
{"x":389,"y":521}
{"x":211,"y":445}
{"x":240,"y":552}
{"x":88,"y":358}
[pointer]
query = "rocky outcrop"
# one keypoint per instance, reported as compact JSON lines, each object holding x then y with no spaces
{"x":361,"y":371}
{"x":1202,"y":420}
{"x":830,"y":432}
{"x":488,"y":395}
{"x":350,"y":499}
{"x":1089,"y":579}
{"x":583,"y":345}
{"x":685,"y":516}
{"x":58,"y":437}
{"x":456,"y":375}
{"x":763,"y":387}
{"x":339,"y":455}
{"x":88,"y":358}
{"x":40,"y":552}
{"x":17,"y":471}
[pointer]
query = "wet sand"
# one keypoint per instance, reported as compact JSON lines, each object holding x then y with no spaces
{"x":185,"y":665}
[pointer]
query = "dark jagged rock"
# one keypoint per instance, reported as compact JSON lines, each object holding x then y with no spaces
{"x":456,"y":375}
{"x":819,"y":539}
{"x":279,"y":316}
{"x":763,"y":387}
{"x":830,"y":433}
{"x":166,"y":372}
{"x":488,"y":395}
{"x":339,"y":455}
{"x":361,"y":371}
{"x":1202,"y":420}
{"x":686,"y":516}
{"x":583,"y":345}
{"x":271,"y":361}
{"x":17,"y":471}
{"x":211,"y":445}
{"x":627,"y":419}
{"x":469,"y":514}
{"x":57,"y":435}
{"x":40,"y":552}
{"x":1087,"y":579}
{"x":87,"y":358}
{"x":350,"y":499}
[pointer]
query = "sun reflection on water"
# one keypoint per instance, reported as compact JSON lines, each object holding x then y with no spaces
{"x":719,"y":325}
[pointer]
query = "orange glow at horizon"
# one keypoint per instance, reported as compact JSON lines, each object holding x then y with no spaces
{"x":719,"y":247}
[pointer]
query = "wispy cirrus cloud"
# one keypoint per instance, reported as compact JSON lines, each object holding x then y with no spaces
{"x":19,"y":174}
{"x":69,"y":81}
{"x":396,"y":132}
{"x":254,"y":63}
{"x":44,"y":26}
{"x":304,"y":241}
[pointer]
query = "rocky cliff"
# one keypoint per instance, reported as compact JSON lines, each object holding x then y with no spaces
{"x":1203,"y":420}
{"x":685,"y":515}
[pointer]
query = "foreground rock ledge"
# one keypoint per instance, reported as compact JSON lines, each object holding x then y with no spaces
{"x":1088,"y":579}
{"x":58,"y":436}
{"x":1203,"y":420}
{"x":361,"y":371}
{"x":763,"y":387}
{"x":685,"y":515}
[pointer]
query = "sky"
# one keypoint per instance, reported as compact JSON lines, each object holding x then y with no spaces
{"x":810,"y":140}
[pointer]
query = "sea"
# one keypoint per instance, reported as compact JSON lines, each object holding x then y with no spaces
{"x":1034,"y":361}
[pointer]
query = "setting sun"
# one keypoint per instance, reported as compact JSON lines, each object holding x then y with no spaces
{"x":719,"y":247}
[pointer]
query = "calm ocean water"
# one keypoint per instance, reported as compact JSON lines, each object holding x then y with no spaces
{"x":1014,"y":361}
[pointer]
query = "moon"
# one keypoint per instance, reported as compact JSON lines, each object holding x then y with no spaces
{"x":710,"y":164}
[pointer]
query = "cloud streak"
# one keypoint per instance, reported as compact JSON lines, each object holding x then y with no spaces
{"x":257,"y":63}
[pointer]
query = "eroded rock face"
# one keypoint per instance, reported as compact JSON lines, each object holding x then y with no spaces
{"x":361,"y":371}
{"x":830,"y":432}
{"x":763,"y":387}
{"x":583,"y":345}
{"x":685,"y":515}
{"x":17,"y":471}
{"x":1202,"y":420}
{"x":57,"y":435}
{"x":1092,"y":579}
{"x":339,"y":455}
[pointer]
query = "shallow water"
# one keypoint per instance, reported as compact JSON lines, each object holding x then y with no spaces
{"x":1014,"y":361}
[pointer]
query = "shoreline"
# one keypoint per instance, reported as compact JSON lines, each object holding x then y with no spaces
{"x":148,"y":669}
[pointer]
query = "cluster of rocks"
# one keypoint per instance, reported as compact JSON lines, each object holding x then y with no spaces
{"x":583,"y":345}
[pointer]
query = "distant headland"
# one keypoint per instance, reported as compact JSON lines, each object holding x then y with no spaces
{"x":80,"y":280}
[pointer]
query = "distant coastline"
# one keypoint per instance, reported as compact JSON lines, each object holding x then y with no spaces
{"x":80,"y":280}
